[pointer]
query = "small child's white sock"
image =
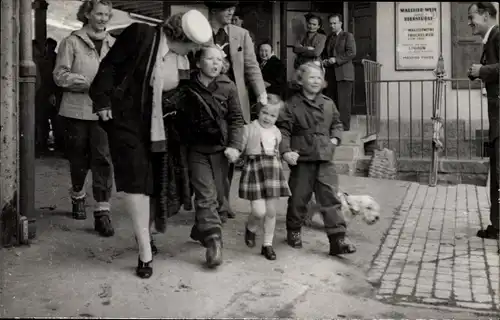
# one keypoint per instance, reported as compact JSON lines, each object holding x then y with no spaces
{"x":252,"y":223}
{"x":269,"y":226}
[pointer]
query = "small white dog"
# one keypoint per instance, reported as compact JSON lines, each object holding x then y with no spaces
{"x":352,"y":206}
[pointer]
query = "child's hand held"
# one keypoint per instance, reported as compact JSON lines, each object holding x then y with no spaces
{"x":232,"y":154}
{"x":291,"y":157}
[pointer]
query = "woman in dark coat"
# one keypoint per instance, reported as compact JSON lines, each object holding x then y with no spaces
{"x":135,"y":80}
{"x":273,"y":70}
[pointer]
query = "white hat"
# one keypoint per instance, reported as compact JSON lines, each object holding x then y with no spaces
{"x":196,"y":27}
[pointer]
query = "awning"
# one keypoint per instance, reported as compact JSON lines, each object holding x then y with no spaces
{"x":61,"y":19}
{"x":152,"y":9}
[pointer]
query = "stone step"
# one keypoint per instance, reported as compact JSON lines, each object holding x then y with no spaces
{"x":358,"y":123}
{"x":341,"y":167}
{"x":345,"y":167}
{"x":348,"y":153}
{"x":351,"y":138}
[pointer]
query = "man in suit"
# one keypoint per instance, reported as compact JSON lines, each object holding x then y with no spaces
{"x":340,"y":49}
{"x":483,"y":21}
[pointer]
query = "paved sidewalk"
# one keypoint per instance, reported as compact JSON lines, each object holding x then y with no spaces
{"x":431,"y":254}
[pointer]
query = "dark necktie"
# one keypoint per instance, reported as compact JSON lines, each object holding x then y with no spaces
{"x":220,"y":37}
{"x":333,"y":41}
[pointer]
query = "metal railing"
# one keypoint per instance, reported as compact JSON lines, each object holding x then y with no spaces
{"x":371,"y":73}
{"x":401,"y":113}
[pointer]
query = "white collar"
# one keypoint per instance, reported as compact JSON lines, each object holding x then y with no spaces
{"x":487,"y":35}
{"x":339,"y":32}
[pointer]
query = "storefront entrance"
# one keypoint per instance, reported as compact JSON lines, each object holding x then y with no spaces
{"x":296,"y":24}
{"x":363,"y":24}
{"x":258,"y":19}
{"x":359,"y":18}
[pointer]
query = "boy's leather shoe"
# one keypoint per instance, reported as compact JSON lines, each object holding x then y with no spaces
{"x":294,"y":239}
{"x":213,"y":254}
{"x":339,"y":244}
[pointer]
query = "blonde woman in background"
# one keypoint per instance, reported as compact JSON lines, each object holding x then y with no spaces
{"x":87,"y":148}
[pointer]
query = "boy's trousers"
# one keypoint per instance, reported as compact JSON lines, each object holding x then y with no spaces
{"x":208,"y":176}
{"x":320,"y":178}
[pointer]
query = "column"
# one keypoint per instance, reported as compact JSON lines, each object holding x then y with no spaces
{"x":27,"y":78}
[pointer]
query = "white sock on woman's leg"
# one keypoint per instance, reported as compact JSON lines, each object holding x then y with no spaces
{"x":138,"y":205}
{"x":269,"y":223}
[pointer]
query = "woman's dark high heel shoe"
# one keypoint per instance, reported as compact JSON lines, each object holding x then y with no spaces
{"x":144,"y":269}
{"x":268,"y":252}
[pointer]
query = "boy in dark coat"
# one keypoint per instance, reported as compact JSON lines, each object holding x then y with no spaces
{"x":210,"y":123}
{"x":311,"y":131}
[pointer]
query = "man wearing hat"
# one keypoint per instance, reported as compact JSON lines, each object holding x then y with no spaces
{"x":239,"y":48}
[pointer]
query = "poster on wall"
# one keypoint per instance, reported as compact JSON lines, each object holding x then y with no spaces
{"x":418,"y":35}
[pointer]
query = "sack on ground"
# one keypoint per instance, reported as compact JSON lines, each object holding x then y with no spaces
{"x":383,"y":165}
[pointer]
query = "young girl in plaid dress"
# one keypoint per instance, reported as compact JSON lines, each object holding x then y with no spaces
{"x":262,"y":179}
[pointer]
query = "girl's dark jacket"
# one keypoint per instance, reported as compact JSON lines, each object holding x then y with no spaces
{"x":122,"y":85}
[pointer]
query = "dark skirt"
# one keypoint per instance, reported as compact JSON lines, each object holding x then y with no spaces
{"x":163,"y":176}
{"x":133,"y":163}
{"x":262,"y":177}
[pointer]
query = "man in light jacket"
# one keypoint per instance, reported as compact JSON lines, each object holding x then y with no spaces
{"x":244,"y":69}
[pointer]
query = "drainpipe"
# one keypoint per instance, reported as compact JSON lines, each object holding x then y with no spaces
{"x":40,"y":7}
{"x":27,"y":78}
{"x":166,"y":9}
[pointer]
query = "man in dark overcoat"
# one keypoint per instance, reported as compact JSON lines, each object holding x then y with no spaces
{"x":483,"y":21}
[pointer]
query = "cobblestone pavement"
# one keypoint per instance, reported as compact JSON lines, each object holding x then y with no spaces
{"x":431,"y":254}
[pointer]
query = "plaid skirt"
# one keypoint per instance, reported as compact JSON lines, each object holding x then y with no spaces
{"x":262,"y":178}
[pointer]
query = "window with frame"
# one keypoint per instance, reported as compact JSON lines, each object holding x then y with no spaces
{"x":466,"y":48}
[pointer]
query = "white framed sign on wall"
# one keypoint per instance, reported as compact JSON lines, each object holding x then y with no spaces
{"x":417,"y":35}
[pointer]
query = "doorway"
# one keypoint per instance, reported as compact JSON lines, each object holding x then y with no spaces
{"x":294,"y":13}
{"x":360,"y":19}
{"x":363,"y":25}
{"x":258,"y":19}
